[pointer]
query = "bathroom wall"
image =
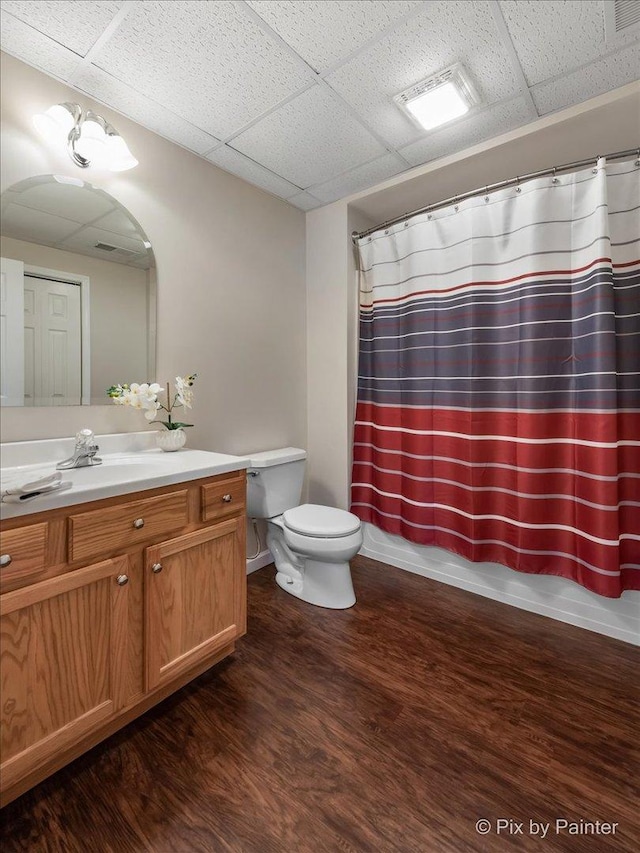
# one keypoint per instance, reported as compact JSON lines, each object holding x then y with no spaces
{"x":605,"y":124}
{"x":230,"y":269}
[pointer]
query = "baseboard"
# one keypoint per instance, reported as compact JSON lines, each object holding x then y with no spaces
{"x":550,"y":596}
{"x":263,"y":559}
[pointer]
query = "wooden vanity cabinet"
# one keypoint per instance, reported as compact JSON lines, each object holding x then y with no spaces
{"x":88,"y":644}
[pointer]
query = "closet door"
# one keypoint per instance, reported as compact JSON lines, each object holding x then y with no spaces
{"x":52,"y":334}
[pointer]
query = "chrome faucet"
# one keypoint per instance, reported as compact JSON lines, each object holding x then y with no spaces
{"x":85,"y":453}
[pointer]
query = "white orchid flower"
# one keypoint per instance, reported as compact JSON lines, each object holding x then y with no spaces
{"x":184,"y":394}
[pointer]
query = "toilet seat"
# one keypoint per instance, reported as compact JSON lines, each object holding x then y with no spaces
{"x":320,"y":522}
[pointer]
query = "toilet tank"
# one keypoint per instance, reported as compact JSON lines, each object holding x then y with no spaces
{"x":274,"y":481}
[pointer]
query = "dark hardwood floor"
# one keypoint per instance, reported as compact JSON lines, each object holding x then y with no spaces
{"x":394,"y":726}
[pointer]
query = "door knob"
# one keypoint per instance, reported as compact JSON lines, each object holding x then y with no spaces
{"x":138,"y":523}
{"x":226,"y":499}
{"x":122,"y":580}
{"x":5,"y":560}
{"x":156,"y":568}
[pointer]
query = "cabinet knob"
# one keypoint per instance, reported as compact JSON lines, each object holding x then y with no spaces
{"x":156,"y":568}
{"x":226,"y":499}
{"x":122,"y":580}
{"x":138,"y":523}
{"x":5,"y":560}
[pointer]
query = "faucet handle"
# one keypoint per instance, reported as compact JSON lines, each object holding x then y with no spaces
{"x":84,"y":438}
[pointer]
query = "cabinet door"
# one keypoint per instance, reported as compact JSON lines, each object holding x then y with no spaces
{"x":194,"y":590}
{"x":60,"y":653}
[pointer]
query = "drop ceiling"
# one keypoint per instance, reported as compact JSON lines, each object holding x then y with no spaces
{"x":83,"y":220}
{"x":297,"y":97}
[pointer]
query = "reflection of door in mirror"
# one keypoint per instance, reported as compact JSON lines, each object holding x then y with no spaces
{"x":11,"y":332}
{"x":52,"y":353}
{"x":65,"y":230}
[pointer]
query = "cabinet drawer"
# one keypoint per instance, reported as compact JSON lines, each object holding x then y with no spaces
{"x":223,"y":498}
{"x":102,"y":531}
{"x":23,"y":551}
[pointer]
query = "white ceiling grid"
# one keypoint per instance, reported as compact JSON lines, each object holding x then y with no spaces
{"x":295,"y":96}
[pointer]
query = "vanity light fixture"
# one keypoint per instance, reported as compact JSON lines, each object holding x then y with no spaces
{"x":90,"y":139}
{"x":439,"y":99}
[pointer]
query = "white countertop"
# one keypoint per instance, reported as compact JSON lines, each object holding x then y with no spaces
{"x":130,"y":464}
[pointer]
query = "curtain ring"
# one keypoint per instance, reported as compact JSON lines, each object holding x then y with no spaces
{"x":555,"y":180}
{"x":594,"y":171}
{"x":486,"y":189}
{"x":637,"y":163}
{"x":518,"y":187}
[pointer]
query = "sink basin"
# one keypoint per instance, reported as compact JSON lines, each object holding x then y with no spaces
{"x":130,"y":463}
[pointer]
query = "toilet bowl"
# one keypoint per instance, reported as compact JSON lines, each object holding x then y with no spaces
{"x":311,"y":544}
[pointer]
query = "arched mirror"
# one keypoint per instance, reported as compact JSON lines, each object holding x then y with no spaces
{"x":78,"y":296}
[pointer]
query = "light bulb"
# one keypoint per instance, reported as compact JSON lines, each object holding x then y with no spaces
{"x":119,"y":158}
{"x":92,"y":142}
{"x":54,"y":124}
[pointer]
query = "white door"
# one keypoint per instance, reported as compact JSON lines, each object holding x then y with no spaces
{"x":11,"y":332}
{"x":52,"y":349}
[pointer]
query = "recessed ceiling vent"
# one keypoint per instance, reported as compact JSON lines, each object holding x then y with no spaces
{"x":620,"y":15}
{"x":107,"y":247}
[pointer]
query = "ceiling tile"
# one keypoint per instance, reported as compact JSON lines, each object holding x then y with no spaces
{"x":599,"y":77}
{"x":105,"y":88}
{"x":76,"y":24}
{"x":118,"y":222}
{"x":62,"y":200}
{"x":208,"y":62}
{"x":236,"y":163}
{"x":359,"y":178}
{"x":35,"y":225}
{"x":309,"y":139}
{"x":553,"y":38}
{"x":305,"y":201}
{"x":483,"y":125}
{"x":446,"y":32}
{"x":21,"y":40}
{"x":86,"y":239}
{"x":345,"y":25}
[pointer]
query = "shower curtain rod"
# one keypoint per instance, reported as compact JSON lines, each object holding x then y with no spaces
{"x":618,"y":155}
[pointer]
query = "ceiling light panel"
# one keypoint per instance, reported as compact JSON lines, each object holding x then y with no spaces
{"x":439,"y":99}
{"x":236,"y":163}
{"x":602,"y":76}
{"x":482,"y":125}
{"x":309,"y":139}
{"x":554,"y":38}
{"x":27,"y":44}
{"x":446,"y":32}
{"x":121,"y":97}
{"x":76,"y":25}
{"x":345,"y":25}
{"x":204,"y":60}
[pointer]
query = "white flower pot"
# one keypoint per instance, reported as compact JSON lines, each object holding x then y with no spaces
{"x":170,"y":440}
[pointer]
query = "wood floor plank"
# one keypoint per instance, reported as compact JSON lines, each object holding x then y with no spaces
{"x":392,"y":727}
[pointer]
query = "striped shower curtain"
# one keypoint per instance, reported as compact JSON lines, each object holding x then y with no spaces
{"x":498,"y":411}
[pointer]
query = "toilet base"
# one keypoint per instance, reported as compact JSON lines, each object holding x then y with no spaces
{"x":323,"y":584}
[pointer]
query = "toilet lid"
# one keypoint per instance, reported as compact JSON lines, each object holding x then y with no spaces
{"x":323,"y":521}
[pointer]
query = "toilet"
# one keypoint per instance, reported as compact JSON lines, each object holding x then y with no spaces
{"x":311,"y":545}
